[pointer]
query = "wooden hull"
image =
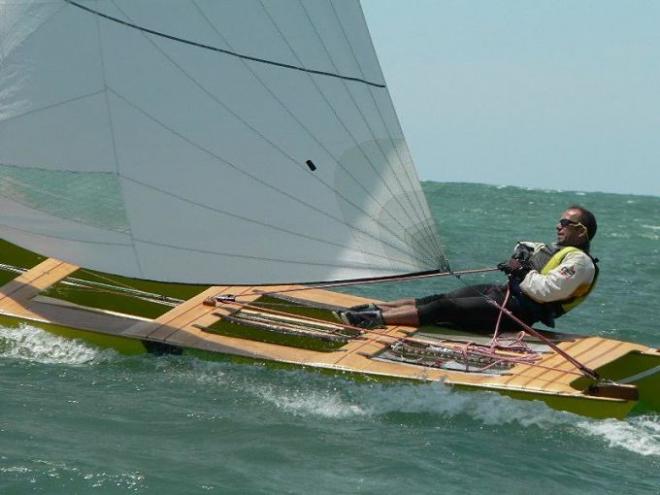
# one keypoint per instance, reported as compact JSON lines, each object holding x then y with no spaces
{"x":195,"y":327}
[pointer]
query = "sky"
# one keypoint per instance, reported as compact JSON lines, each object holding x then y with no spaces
{"x":561,"y":94}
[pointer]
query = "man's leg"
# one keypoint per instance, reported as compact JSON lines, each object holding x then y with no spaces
{"x":407,"y":311}
{"x":406,"y":314}
{"x":471,"y":308}
{"x":467,"y":308}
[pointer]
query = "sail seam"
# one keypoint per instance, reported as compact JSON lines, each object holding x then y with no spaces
{"x":53,"y":105}
{"x":394,"y":234}
{"x":362,"y":115}
{"x":348,"y":132}
{"x":433,"y":226}
{"x":252,"y":220}
{"x":68,"y":239}
{"x":310,"y":134}
{"x":267,"y":185}
{"x":422,"y":213}
{"x":114,"y":145}
{"x":277,"y":148}
{"x":355,"y":142}
{"x":221,"y":50}
{"x":273,"y":260}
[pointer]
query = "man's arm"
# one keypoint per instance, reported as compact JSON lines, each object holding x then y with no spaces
{"x":575,"y":270}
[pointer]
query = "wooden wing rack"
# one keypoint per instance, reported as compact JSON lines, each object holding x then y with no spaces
{"x":186,"y":327}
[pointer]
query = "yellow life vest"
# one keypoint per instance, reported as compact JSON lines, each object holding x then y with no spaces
{"x":581,"y":293}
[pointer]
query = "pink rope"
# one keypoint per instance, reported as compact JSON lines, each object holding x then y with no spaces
{"x":585,"y":370}
{"x":493,"y":341}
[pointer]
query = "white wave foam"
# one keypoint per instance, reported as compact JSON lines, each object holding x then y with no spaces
{"x":372,"y":400}
{"x":640,"y":434}
{"x":305,"y":402}
{"x":488,"y":407}
{"x":184,"y":370}
{"x":132,"y":481}
{"x":33,"y":344}
{"x":127,"y":481}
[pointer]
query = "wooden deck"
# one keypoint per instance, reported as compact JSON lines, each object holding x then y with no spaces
{"x":183,"y":326}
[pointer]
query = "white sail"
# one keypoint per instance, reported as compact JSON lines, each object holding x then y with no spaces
{"x":206,"y":141}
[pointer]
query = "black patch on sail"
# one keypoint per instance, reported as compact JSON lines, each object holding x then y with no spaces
{"x":311,"y":165}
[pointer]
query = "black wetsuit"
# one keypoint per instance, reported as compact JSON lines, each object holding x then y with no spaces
{"x":468,"y":308}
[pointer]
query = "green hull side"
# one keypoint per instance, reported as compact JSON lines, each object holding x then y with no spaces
{"x":634,"y":368}
{"x":583,"y":405}
{"x":592,"y":407}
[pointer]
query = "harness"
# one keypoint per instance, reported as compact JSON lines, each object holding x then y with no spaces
{"x":581,"y":293}
{"x":544,"y":260}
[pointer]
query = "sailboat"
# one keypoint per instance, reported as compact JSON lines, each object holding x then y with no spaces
{"x":250,"y":148}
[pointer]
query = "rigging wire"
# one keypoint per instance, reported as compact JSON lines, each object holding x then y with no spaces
{"x":108,"y":288}
{"x":371,"y":281}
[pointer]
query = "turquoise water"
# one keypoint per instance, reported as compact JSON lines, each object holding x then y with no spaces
{"x":78,"y":420}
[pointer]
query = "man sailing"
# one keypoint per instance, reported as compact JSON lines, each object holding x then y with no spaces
{"x":545,"y":281}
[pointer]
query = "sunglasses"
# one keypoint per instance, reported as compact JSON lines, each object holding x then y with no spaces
{"x":565,"y":222}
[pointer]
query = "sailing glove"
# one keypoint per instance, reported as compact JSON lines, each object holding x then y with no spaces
{"x":514,"y":268}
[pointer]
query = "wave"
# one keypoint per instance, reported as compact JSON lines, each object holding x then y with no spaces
{"x":638,"y":434}
{"x":47,"y":471}
{"x":304,"y":402}
{"x":302,"y":394}
{"x":312,"y":395}
{"x":32,"y":344}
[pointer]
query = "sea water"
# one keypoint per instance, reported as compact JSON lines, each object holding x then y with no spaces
{"x":75,"y":419}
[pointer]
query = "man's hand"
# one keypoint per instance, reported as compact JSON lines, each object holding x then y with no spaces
{"x":514,"y":267}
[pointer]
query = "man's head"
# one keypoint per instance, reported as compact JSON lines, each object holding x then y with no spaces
{"x":576,"y":227}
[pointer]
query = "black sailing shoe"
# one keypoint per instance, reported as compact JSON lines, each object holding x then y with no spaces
{"x":364,"y":307}
{"x":362,"y":319}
